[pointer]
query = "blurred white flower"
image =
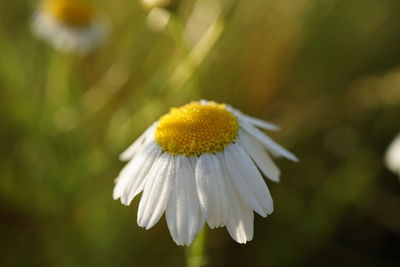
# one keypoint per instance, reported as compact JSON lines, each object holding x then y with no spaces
{"x":159,"y":13}
{"x":69,"y":25}
{"x":198,"y":164}
{"x":158,"y":19}
{"x":392,"y":157}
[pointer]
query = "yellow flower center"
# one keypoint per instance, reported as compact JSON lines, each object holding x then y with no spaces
{"x":196,"y":128}
{"x":72,"y":12}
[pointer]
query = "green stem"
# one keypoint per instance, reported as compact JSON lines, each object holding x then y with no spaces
{"x":196,"y":253}
{"x":176,"y":27}
{"x":58,"y":80}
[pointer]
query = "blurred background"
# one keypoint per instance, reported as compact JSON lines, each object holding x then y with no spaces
{"x":327,"y":72}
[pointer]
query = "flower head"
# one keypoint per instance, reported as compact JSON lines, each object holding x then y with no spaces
{"x":392,"y":158}
{"x":69,"y":25}
{"x":159,"y":13}
{"x":198,"y":164}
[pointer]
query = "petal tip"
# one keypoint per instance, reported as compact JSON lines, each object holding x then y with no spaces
{"x":123,"y":157}
{"x":125,"y":202}
{"x":275,"y":128}
{"x":292,"y":157}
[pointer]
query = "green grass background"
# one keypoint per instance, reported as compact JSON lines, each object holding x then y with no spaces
{"x":326,"y":71}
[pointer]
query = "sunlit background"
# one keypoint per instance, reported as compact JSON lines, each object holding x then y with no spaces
{"x":327,"y":72}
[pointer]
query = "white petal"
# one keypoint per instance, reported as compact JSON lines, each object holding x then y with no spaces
{"x":259,"y":155}
{"x":193,"y":161}
{"x":257,"y":122}
{"x":131,"y":179}
{"x":269,"y":144}
{"x":240,"y":225}
{"x":156,"y":192}
{"x":248,"y":180}
{"x":139,"y":143}
{"x":211,"y":190}
{"x":252,"y":120}
{"x":392,"y":157}
{"x":240,"y":216}
{"x":66,"y":38}
{"x":183,"y":212}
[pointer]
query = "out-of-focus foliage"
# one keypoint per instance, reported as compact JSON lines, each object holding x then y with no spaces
{"x":327,"y":71}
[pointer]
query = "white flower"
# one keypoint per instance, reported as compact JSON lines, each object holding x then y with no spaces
{"x":158,"y":19}
{"x":198,"y":163}
{"x":69,"y":25}
{"x":392,"y":158}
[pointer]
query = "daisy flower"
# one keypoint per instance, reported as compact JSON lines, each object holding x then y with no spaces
{"x":392,"y":158}
{"x":159,"y":13}
{"x":69,"y":25}
{"x":201,"y":163}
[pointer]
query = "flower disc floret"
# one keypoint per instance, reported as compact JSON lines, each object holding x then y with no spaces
{"x":72,"y":12}
{"x":197,"y":128}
